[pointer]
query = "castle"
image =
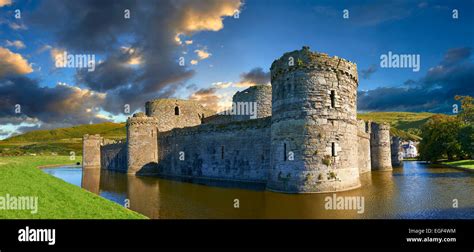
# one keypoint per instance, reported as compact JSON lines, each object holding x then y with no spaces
{"x":303,"y":137}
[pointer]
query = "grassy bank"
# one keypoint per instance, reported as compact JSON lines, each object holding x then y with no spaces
{"x":19,"y":176}
{"x":60,"y":141}
{"x":467,"y":164}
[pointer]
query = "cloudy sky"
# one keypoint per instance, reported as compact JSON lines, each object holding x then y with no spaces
{"x":207,"y":50}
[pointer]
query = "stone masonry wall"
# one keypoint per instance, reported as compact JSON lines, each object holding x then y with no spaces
{"x":114,"y":157}
{"x":261,"y":95}
{"x":142,"y":148}
{"x":313,"y":119}
{"x":91,"y":151}
{"x":397,"y":153}
{"x":381,"y":156}
{"x":363,"y":153}
{"x":237,"y":151}
{"x":176,"y":113}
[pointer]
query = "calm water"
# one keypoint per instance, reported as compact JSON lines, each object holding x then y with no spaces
{"x":412,"y":192}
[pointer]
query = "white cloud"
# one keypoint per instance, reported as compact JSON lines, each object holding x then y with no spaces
{"x":221,"y":85}
{"x":16,"y":26}
{"x":202,"y":54}
{"x":18,"y":44}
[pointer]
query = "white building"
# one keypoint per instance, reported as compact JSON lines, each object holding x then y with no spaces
{"x":409,"y":150}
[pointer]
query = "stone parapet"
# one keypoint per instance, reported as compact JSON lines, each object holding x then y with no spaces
{"x":305,"y":59}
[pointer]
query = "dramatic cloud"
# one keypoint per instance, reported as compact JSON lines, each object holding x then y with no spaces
{"x":12,"y":63}
{"x":434,"y":92}
{"x":254,"y":77}
{"x":455,"y":55}
{"x":154,"y":31}
{"x":207,"y":97}
{"x":18,"y":44}
{"x":366,"y":73}
{"x":5,"y":2}
{"x":54,"y":53}
{"x":62,"y":104}
{"x":116,"y":71}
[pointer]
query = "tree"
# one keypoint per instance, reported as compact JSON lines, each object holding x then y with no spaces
{"x":467,"y":108}
{"x":466,"y":139}
{"x":440,"y":138}
{"x":466,"y":116}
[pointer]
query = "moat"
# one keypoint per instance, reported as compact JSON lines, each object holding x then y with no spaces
{"x":412,"y":192}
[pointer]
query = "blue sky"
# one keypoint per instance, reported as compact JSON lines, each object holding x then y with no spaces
{"x":236,"y":53}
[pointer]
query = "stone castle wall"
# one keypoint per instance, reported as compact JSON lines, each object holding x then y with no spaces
{"x":313,"y":119}
{"x":176,"y":113}
{"x":114,"y":157}
{"x":363,"y":152}
{"x":237,"y":151}
{"x":218,"y":119}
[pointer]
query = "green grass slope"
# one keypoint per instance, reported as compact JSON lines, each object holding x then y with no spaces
{"x":59,"y":141}
{"x":402,"y":123}
{"x":19,"y":176}
{"x":107,"y":129}
{"x":399,"y":120}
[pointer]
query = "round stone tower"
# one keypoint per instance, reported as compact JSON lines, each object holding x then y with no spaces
{"x":257,"y":100}
{"x":381,"y":156}
{"x":142,"y":142}
{"x":314,"y":125}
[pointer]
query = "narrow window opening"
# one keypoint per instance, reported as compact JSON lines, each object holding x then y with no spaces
{"x":284,"y":152}
{"x":176,"y":110}
{"x":222,"y":152}
{"x":333,"y":99}
{"x":333,"y":148}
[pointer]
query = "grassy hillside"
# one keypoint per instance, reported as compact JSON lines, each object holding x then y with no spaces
{"x":64,"y":140}
{"x":108,"y":130}
{"x":404,"y":124}
{"x":399,"y":120}
{"x":59,"y":141}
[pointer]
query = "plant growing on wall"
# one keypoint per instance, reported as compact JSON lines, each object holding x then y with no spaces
{"x":327,"y":160}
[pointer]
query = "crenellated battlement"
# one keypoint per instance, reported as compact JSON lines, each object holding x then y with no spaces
{"x":308,"y":60}
{"x":141,"y":119}
{"x":92,"y":137}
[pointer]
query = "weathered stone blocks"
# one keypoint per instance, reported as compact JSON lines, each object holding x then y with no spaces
{"x":91,"y":151}
{"x":142,"y":144}
{"x":314,"y":128}
{"x":380,"y":152}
